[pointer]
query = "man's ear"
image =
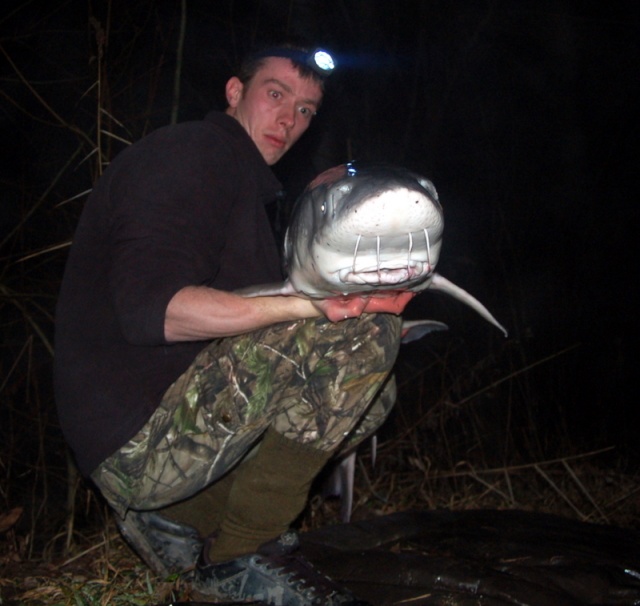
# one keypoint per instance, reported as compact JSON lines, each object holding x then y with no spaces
{"x":233,"y":91}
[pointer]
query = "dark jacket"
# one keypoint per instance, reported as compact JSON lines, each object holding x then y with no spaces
{"x":183,"y":206}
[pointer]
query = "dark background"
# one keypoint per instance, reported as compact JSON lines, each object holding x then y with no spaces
{"x":522,"y":113}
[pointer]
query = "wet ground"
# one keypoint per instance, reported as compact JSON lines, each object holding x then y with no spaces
{"x":480,"y":558}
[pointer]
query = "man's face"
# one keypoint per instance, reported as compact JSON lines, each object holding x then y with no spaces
{"x":275,"y":107}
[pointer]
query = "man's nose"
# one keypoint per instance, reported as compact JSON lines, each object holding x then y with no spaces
{"x":287,"y":117}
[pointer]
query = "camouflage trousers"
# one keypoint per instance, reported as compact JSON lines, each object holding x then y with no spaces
{"x":324,"y":384}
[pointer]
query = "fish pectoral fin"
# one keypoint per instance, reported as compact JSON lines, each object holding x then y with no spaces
{"x":267,"y":290}
{"x":340,"y":484}
{"x":374,"y":449}
{"x":413,"y":330}
{"x":440,"y":283}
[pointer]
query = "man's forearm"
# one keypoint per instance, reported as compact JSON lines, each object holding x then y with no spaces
{"x":197,"y":313}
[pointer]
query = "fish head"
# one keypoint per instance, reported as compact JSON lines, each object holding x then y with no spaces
{"x":364,"y":229}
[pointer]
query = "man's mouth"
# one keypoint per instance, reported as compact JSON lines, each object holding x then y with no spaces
{"x":278,"y":142}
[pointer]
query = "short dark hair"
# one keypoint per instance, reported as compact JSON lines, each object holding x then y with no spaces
{"x":254,"y":61}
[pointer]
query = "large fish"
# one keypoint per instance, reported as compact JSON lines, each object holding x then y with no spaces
{"x":373,"y":230}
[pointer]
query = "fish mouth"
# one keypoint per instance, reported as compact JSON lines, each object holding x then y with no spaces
{"x":385,"y":276}
{"x":381,"y":263}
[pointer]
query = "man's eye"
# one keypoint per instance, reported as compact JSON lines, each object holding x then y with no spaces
{"x":275,"y":94}
{"x":307,"y":112}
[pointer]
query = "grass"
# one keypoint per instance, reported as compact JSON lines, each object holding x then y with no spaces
{"x":60,"y":547}
{"x":97,"y":568}
{"x":479,"y":424}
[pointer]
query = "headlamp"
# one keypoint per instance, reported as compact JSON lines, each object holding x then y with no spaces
{"x":319,"y":60}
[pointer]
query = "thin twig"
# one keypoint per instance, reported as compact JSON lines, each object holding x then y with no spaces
{"x":86,"y":192}
{"x":490,"y":487}
{"x":486,"y":388}
{"x":83,"y":553}
{"x":515,"y":373}
{"x":28,"y":317}
{"x":44,"y":104}
{"x":585,"y":492}
{"x":44,"y":251}
{"x":40,"y":201}
{"x":175,"y":104}
{"x":562,"y":495}
{"x":512,"y":468}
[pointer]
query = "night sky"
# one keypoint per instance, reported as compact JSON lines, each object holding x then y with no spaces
{"x":523,"y":114}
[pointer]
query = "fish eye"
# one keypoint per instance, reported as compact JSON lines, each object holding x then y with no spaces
{"x":427,"y":185}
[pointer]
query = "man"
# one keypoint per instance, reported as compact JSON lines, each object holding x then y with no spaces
{"x":178,"y":395}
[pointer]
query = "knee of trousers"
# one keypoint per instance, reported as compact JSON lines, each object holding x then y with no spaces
{"x":378,"y":335}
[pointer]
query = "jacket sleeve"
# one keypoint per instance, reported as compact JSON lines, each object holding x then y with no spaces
{"x":169,"y":206}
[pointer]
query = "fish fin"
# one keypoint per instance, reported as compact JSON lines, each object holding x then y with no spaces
{"x":340,"y":484}
{"x":347,"y":478}
{"x":440,"y":283}
{"x":268,"y":290}
{"x":374,"y":449}
{"x":413,"y":330}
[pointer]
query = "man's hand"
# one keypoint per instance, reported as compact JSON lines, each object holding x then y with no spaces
{"x":197,"y":313}
{"x":353,"y":306}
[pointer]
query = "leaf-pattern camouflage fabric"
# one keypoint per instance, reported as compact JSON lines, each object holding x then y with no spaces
{"x":314,"y":381}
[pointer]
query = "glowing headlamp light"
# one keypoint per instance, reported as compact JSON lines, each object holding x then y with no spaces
{"x":319,"y":60}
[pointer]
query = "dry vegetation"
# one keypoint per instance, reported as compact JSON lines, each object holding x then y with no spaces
{"x":469,"y":431}
{"x":58,"y":544}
